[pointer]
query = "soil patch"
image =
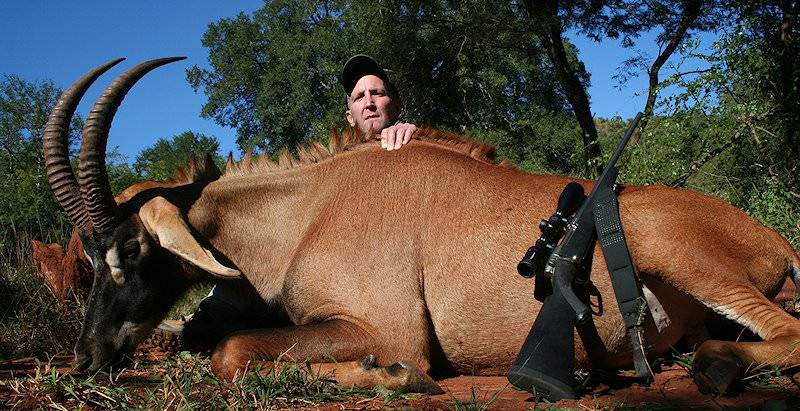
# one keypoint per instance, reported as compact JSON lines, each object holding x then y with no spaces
{"x":672,"y":389}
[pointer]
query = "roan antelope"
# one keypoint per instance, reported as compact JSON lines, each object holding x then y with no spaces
{"x":393,"y":295}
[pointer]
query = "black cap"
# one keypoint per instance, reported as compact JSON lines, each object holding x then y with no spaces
{"x":359,"y":66}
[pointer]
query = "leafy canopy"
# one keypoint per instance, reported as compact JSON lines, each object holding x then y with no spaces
{"x":468,"y":64}
{"x":159,"y":161}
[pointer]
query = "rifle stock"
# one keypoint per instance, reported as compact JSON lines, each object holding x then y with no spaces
{"x":546,"y":364}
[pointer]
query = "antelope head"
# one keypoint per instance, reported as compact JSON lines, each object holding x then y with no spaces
{"x":138,"y":251}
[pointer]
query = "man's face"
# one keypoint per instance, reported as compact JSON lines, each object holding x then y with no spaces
{"x":370,"y":106}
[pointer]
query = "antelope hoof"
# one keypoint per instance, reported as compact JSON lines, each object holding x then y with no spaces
{"x":369,"y":362}
{"x":716,"y":371}
{"x":414,"y":380}
{"x":168,"y":336}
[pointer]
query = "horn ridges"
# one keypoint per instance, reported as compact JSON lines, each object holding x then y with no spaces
{"x":56,"y":147}
{"x":92,"y":176}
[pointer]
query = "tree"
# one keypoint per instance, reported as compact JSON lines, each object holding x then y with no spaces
{"x":459,"y":65}
{"x":26,"y":203}
{"x":271,"y":73}
{"x":762,"y":59}
{"x":469,"y":65}
{"x":159,"y":161}
{"x":24,"y":107}
{"x":751,"y":83}
{"x":549,"y":28}
{"x":732,"y":131}
{"x":673,"y":20}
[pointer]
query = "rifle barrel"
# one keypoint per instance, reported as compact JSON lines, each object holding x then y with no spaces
{"x":626,"y":138}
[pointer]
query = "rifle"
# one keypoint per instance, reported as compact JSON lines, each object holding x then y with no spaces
{"x":546,"y":363}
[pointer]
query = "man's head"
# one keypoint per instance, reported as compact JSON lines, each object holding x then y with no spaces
{"x":372,"y":100}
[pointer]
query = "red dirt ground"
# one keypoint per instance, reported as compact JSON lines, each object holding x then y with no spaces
{"x":673,"y":388}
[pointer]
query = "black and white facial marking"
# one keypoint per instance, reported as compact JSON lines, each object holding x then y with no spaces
{"x":135,"y":283}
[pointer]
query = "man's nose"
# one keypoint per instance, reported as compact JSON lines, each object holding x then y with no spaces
{"x":368,"y":101}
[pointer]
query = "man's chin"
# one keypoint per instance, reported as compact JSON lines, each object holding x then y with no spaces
{"x":374,"y":124}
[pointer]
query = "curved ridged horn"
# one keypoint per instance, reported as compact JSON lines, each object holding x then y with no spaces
{"x":56,"y":153}
{"x":92,"y":176}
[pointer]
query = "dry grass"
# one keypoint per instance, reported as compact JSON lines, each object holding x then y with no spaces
{"x":32,"y":323}
{"x":182,"y":381}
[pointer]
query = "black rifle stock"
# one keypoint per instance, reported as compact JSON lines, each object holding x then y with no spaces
{"x":546,"y":363}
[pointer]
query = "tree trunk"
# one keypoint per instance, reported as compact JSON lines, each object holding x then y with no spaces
{"x":548,"y":28}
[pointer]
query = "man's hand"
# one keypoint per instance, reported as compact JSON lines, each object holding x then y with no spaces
{"x":394,"y":137}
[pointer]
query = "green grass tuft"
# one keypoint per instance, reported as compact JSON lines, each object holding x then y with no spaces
{"x":183,"y":381}
{"x":476,"y":404}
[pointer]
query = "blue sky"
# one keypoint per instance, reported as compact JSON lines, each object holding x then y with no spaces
{"x":61,"y":40}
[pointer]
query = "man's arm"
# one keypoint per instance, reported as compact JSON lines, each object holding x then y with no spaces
{"x":394,"y":137}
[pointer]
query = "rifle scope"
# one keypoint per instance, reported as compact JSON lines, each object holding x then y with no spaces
{"x":535,"y":259}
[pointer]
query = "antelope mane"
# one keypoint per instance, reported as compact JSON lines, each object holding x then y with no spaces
{"x":310,"y":153}
{"x":348,"y":140}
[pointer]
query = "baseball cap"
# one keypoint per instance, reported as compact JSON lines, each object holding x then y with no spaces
{"x":359,"y":66}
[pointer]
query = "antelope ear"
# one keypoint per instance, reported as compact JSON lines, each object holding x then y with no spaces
{"x":164,"y":222}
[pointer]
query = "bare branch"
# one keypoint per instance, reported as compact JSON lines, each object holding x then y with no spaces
{"x":690,"y":13}
{"x":703,"y":160}
{"x":686,"y":73}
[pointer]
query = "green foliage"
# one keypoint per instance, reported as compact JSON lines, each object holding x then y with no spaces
{"x":25,"y":199}
{"x":458,"y":65}
{"x":771,"y":203}
{"x":159,"y":161}
{"x":272,"y":72}
{"x":24,"y":107}
{"x":549,"y":143}
{"x":745,"y":106}
{"x":120,"y":173}
{"x":667,"y":147}
{"x":26,"y":202}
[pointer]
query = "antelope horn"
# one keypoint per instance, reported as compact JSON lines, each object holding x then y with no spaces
{"x":56,"y":154}
{"x":92,"y":176}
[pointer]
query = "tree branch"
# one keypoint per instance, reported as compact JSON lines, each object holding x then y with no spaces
{"x":691,"y":11}
{"x":703,"y":160}
{"x":686,"y":73}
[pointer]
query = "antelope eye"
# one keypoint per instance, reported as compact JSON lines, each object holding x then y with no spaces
{"x":131,"y":249}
